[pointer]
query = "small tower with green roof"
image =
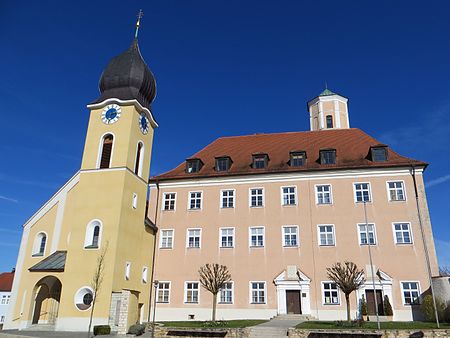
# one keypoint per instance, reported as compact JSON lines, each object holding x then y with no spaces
{"x":328,"y":111}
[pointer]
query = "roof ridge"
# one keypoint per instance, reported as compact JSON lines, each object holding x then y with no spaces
{"x":284,"y":133}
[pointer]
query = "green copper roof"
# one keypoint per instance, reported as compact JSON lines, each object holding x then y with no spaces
{"x":327,"y":92}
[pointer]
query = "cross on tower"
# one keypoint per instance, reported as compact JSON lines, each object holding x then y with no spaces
{"x":138,"y":22}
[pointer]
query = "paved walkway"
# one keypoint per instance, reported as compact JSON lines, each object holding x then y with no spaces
{"x":276,"y":327}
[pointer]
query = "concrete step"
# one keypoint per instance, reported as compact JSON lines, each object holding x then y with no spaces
{"x":40,"y":327}
{"x":266,"y":332}
{"x":294,"y":317}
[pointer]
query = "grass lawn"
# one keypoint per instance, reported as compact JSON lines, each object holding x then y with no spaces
{"x":370,"y":325}
{"x":218,"y":324}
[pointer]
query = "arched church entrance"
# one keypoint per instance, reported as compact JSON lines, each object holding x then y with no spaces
{"x":47,"y":293}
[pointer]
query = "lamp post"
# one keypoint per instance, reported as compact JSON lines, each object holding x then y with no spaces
{"x":375,"y":301}
{"x":155,"y":285}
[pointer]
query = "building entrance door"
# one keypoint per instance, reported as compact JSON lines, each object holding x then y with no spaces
{"x":371,"y":302}
{"x":293,"y":303}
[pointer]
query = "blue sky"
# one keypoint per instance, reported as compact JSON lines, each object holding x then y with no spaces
{"x":222,"y":68}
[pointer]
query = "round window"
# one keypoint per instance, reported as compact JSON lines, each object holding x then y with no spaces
{"x":83,"y":298}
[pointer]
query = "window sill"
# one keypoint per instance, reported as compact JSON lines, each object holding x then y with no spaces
{"x":256,"y":246}
{"x":166,"y":248}
{"x":226,"y":247}
{"x":194,"y":209}
{"x":90,"y":247}
{"x":328,"y":203}
{"x":256,"y":206}
{"x":290,"y":246}
{"x":37,"y":255}
{"x":168,"y":209}
{"x":366,"y":244}
{"x":327,"y":245}
{"x":401,"y":244}
{"x":193,"y":247}
{"x":289,"y":205}
{"x":190,"y":302}
{"x":331,"y":304}
{"x":258,"y":303}
{"x":226,"y":207}
{"x":162,"y":302}
{"x":225,"y":303}
{"x":394,"y":201}
{"x":362,"y":202}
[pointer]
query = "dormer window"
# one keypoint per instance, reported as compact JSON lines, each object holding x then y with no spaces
{"x":193,"y":165}
{"x":223,"y":163}
{"x":379,"y":153}
{"x":297,"y":158}
{"x":260,"y":161}
{"x":328,"y":156}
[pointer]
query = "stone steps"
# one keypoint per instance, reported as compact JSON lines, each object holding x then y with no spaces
{"x":294,"y":317}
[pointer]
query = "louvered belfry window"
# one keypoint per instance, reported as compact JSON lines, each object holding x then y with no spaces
{"x":106,"y":151}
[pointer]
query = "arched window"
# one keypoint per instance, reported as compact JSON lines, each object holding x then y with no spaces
{"x":105,"y":157}
{"x":93,"y":235}
{"x":139,"y":159}
{"x":39,"y":244}
{"x":329,"y":121}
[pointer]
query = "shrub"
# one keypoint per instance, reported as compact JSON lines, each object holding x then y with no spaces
{"x":137,"y":329}
{"x":427,"y":309}
{"x":102,"y":330}
{"x":387,"y":306}
{"x":363,"y":306}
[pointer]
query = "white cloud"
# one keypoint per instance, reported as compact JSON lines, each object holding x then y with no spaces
{"x":9,"y":199}
{"x":437,"y":181}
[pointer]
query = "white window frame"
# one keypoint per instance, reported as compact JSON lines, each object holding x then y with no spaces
{"x":141,"y":157}
{"x":334,"y":235}
{"x":168,"y":292}
{"x":250,"y":236}
{"x":250,"y":287}
{"x":403,"y":295}
{"x":144,"y":275}
{"x":127,"y":270}
{"x":283,"y":243}
{"x":220,"y":237}
{"x":222,"y":197}
{"x":388,"y":190}
{"x":250,"y":197}
{"x":37,"y":244}
{"x":323,"y":294}
{"x":317,"y":193}
{"x":161,"y":239}
{"x":410,"y":233}
{"x":134,"y":201}
{"x":295,"y":195}
{"x":89,"y":235}
{"x":163,"y":207}
{"x":199,"y":240}
{"x":232,"y":295}
{"x":100,"y":150}
{"x":186,"y":290}
{"x":190,"y":198}
{"x":358,"y":228}
{"x":370,"y":192}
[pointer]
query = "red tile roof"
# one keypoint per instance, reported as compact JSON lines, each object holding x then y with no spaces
{"x":6,"y":280}
{"x":352,"y":152}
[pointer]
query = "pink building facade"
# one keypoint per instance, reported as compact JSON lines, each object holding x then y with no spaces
{"x":278,"y":209}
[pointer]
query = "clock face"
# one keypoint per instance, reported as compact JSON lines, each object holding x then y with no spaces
{"x":143,"y":123}
{"x":111,"y":113}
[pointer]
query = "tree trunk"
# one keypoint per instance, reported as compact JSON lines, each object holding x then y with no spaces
{"x":214,"y":307}
{"x":347,"y":300}
{"x":90,"y":319}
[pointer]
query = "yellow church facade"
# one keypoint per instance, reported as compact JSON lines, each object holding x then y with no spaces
{"x":99,"y":211}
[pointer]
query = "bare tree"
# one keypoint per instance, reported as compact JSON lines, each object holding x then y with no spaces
{"x":348,"y":278}
{"x":212,"y":278}
{"x":96,"y":282}
{"x":444,"y":271}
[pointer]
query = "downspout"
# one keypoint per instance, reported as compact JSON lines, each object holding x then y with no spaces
{"x":154,"y":254}
{"x":430,"y":279}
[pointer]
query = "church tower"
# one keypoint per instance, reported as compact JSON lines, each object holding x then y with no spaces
{"x":328,"y":111}
{"x":99,"y":212}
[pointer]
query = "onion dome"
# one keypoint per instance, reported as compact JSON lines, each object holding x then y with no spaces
{"x":128,"y":77}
